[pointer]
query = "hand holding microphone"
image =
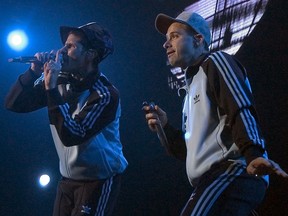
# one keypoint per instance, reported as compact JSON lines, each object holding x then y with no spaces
{"x":52,"y":69}
{"x":156,"y":117}
{"x":37,"y":61}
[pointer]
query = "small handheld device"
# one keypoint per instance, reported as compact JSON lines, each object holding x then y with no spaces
{"x":159,"y":129}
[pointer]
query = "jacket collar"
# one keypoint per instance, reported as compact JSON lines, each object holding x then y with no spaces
{"x":192,"y":70}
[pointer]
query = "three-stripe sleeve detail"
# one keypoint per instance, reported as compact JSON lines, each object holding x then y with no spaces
{"x":92,"y":115}
{"x":239,"y":95}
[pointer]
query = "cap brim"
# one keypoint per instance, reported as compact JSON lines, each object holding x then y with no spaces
{"x":163,"y":21}
{"x":65,"y":30}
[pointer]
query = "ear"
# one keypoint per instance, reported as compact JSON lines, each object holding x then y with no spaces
{"x":89,"y":54}
{"x":199,"y":39}
{"x":92,"y":54}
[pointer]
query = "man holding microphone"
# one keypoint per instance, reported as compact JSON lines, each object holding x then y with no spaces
{"x":84,"y":111}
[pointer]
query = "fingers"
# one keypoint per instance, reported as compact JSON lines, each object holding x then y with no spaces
{"x":43,"y":57}
{"x":53,"y":61}
{"x":159,"y":110}
{"x":59,"y":57}
{"x":52,"y":66}
{"x":146,"y":108}
{"x":152,"y":123}
{"x":153,"y":113}
{"x":156,"y":108}
{"x":277,"y":169}
{"x":151,"y":116}
{"x":262,"y":166}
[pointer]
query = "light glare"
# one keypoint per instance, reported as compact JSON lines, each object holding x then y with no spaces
{"x":17,"y":40}
{"x":44,"y":180}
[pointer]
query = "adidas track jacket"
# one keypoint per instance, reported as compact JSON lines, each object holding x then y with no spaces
{"x":219,"y":117}
{"x":84,"y":122}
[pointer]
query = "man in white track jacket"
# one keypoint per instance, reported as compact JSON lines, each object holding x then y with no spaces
{"x":222,"y":144}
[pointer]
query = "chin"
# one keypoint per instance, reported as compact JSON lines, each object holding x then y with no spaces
{"x":174,"y":64}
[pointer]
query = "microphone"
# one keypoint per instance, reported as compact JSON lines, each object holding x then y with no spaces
{"x":30,"y":59}
{"x":159,"y":129}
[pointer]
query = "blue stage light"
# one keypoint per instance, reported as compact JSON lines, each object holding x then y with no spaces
{"x":17,"y":40}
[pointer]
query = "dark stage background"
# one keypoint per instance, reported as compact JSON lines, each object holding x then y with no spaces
{"x":153,"y":184}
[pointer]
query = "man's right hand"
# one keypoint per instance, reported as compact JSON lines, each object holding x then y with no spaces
{"x":155,"y":116}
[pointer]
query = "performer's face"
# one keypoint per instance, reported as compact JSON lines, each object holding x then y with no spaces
{"x":74,"y":56}
{"x":180,"y":46}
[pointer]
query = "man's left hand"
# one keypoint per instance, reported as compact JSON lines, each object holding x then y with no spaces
{"x":262,"y":166}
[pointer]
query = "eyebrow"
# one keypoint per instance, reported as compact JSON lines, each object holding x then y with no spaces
{"x":74,"y":42}
{"x":173,"y":32}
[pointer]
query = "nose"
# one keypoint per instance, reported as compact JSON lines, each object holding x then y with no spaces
{"x":166,"y":44}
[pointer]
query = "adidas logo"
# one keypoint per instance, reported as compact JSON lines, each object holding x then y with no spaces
{"x":196,"y":98}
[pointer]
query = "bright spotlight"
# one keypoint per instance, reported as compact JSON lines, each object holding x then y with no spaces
{"x":44,"y":180}
{"x":17,"y":40}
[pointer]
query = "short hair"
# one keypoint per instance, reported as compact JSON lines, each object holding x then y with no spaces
{"x":192,"y":32}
